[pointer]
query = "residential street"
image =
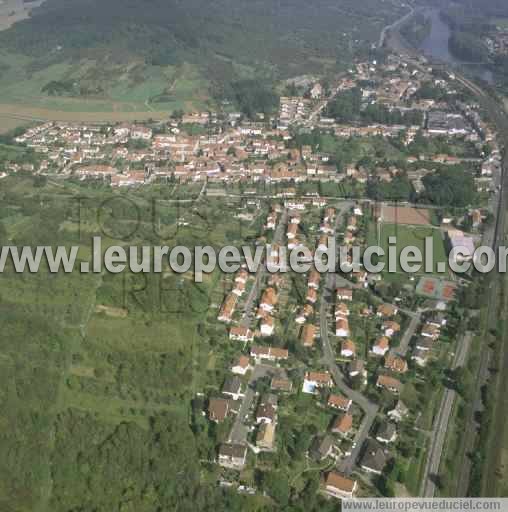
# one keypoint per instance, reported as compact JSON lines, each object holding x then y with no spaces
{"x":250,"y":303}
{"x":239,"y":432}
{"x":408,"y":334}
{"x":370,"y":409}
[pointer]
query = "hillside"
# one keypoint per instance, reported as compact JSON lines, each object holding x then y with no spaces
{"x":134,"y":56}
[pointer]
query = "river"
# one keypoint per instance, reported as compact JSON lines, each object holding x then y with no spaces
{"x":435,"y":45}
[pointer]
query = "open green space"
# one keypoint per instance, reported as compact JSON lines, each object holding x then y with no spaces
{"x":407,"y":236}
{"x":127,"y":87}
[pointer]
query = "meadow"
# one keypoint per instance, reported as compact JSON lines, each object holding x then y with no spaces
{"x":379,"y":234}
{"x":129,"y":89}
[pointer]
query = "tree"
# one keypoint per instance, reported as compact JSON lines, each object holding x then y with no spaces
{"x":463,"y":381}
{"x":276,"y":485}
{"x":253,"y":96}
{"x":448,"y":187}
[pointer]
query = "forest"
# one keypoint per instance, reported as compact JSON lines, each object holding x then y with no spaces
{"x":416,"y":29}
{"x":347,"y":107}
{"x":468,"y":47}
{"x":446,"y":187}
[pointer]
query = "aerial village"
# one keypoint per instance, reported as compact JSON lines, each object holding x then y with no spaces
{"x":226,"y":148}
{"x":348,"y":357}
{"x":356,"y":348}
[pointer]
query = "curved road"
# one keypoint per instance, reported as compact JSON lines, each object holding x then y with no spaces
{"x":369,"y":408}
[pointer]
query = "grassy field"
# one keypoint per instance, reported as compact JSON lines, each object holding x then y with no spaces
{"x":416,"y":466}
{"x":501,"y":23}
{"x":8,"y":124}
{"x":130,"y":91}
{"x":407,"y":236}
{"x":496,"y":461}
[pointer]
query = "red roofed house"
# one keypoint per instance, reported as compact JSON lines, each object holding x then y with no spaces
{"x":311,"y":295}
{"x":390,"y":328}
{"x":339,"y":402}
{"x":218,"y":409}
{"x":227,"y":309}
{"x":240,"y":333}
{"x":314,"y":279}
{"x":348,"y":348}
{"x":242,"y":366}
{"x":343,"y":425}
{"x":381,"y":346}
{"x":386,"y":310}
{"x":389,"y":383}
{"x":308,"y":335}
{"x":338,"y":486}
{"x":395,"y":364}
{"x":341,"y":311}
{"x":344,"y":294}
{"x":268,"y":300}
{"x":267,"y":326}
{"x":316,"y":380}
{"x":268,"y":353}
{"x":342,"y":328}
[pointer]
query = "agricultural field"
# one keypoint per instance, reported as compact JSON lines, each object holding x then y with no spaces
{"x":8,"y":124}
{"x":502,"y":23}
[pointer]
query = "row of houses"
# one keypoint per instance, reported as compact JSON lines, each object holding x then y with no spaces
{"x":429,"y":334}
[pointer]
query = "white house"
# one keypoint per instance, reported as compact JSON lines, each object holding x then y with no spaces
{"x":242,"y":366}
{"x":267,"y":326}
{"x":381,"y":346}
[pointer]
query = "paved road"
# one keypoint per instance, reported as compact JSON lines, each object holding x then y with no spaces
{"x":238,"y":434}
{"x":494,"y":237}
{"x":239,"y":431}
{"x":278,"y":238}
{"x":440,"y":427}
{"x":408,"y":334}
{"x":369,"y":408}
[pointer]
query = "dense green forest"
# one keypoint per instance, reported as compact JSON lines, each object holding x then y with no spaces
{"x":486,"y":7}
{"x":468,"y":47}
{"x":447,"y":187}
{"x":416,"y":29}
{"x":347,"y":107}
